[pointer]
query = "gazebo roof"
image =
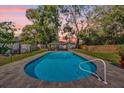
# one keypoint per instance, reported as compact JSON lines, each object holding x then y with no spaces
{"x":56,"y":43}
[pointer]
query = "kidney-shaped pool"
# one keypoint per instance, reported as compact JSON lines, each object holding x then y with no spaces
{"x":59,"y":66}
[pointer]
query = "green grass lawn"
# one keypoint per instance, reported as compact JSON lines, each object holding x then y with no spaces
{"x":5,"y":60}
{"x":112,"y":57}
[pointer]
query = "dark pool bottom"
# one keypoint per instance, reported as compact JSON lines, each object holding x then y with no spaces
{"x":59,"y":67}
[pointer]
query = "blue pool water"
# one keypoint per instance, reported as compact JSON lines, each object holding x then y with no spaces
{"x":59,"y":67}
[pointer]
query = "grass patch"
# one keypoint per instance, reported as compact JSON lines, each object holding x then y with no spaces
{"x":121,"y":48}
{"x":5,"y":60}
{"x":113,"y":57}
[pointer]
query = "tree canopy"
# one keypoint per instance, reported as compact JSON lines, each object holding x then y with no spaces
{"x":91,"y":24}
{"x":45,"y":25}
{"x":7,"y":33}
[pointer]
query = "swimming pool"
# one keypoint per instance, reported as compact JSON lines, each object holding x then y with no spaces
{"x":59,"y":66}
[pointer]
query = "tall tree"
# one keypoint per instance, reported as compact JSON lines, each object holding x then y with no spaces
{"x":72,"y":16}
{"x":112,"y":21}
{"x":77,"y":16}
{"x":6,"y":33}
{"x":47,"y":19}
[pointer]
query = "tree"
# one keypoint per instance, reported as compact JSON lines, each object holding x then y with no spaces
{"x":31,"y":34}
{"x":47,"y":20}
{"x":6,"y":33}
{"x":112,"y":21}
{"x":77,"y":16}
{"x":68,"y":29}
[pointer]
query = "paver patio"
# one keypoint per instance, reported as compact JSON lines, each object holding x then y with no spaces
{"x":13,"y":75}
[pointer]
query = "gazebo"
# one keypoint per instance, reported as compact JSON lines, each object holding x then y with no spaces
{"x":56,"y":46}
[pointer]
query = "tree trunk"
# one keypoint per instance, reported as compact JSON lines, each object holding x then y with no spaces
{"x":19,"y":48}
{"x":76,"y":25}
{"x":46,"y":44}
{"x":77,"y":43}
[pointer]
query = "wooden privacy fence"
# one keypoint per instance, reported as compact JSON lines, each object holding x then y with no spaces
{"x":102,"y":48}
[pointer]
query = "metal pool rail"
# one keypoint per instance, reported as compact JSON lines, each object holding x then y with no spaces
{"x":96,"y":60}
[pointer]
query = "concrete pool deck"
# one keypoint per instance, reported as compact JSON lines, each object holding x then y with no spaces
{"x":13,"y":76}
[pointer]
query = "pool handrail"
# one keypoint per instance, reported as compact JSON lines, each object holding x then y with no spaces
{"x":104,"y":65}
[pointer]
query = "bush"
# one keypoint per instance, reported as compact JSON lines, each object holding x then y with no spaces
{"x":4,"y":49}
{"x":121,"y":48}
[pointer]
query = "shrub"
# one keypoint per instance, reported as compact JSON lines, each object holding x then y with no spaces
{"x":4,"y":49}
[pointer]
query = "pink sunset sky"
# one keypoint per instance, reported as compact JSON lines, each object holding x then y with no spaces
{"x":16,"y":14}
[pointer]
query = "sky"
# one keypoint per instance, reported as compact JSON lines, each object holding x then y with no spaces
{"x":16,"y":14}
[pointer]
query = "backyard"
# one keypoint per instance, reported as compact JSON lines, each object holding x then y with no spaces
{"x":55,"y":45}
